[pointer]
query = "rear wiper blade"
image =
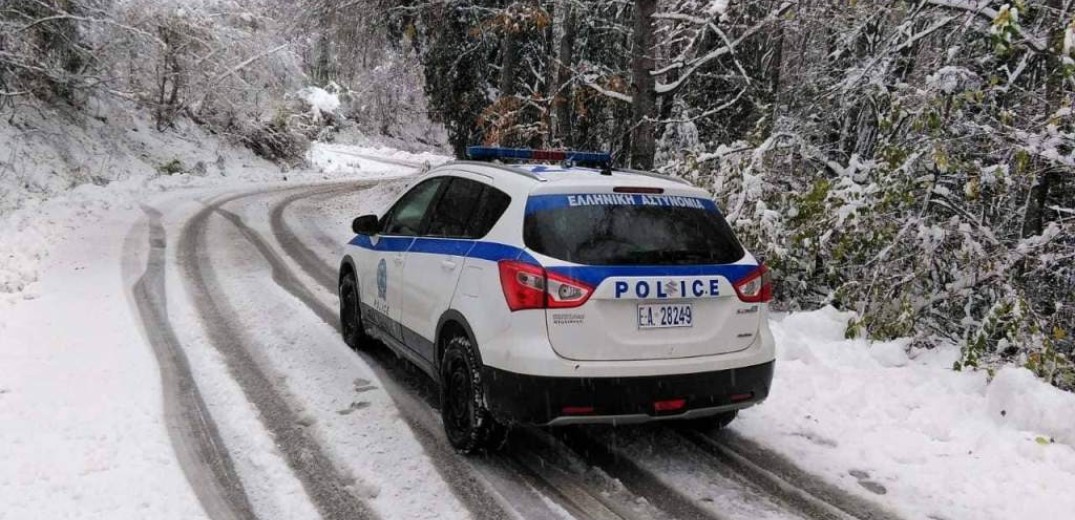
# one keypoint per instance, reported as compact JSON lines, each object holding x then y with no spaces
{"x":688,"y":256}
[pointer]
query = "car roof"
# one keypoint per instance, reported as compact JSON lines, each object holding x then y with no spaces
{"x":553,"y":177}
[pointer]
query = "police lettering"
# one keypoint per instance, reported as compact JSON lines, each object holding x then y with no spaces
{"x":642,"y":289}
{"x":621,"y":199}
{"x":668,"y":200}
{"x":601,"y":199}
{"x":664,"y":289}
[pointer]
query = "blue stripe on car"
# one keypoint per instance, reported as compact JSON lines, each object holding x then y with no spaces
{"x":491,"y":251}
{"x":444,"y":246}
{"x":383,"y":243}
{"x":589,"y":274}
{"x":495,"y":252}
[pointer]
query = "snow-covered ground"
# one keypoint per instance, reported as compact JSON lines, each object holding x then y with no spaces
{"x":83,"y":433}
{"x":911,"y":433}
{"x":32,"y":230}
{"x":342,"y":158}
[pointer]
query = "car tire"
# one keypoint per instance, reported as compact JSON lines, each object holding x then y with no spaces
{"x":350,"y":313}
{"x":469,"y":425}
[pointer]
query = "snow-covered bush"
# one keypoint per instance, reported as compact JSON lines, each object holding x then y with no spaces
{"x":370,"y":64}
{"x":224,"y":64}
{"x":43,"y":51}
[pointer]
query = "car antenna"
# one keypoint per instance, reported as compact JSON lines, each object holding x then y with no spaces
{"x":606,"y":167}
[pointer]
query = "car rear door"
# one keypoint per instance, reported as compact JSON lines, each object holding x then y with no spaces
{"x":658,"y":270}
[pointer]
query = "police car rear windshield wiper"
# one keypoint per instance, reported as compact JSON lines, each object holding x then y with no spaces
{"x":660,"y":258}
{"x":636,"y":258}
{"x":687,"y":257}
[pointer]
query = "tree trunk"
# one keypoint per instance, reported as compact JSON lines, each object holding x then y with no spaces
{"x":775,"y":68}
{"x":643,"y":138}
{"x":324,"y":67}
{"x":1034,"y":216}
{"x":562,"y":127}
{"x":324,"y":60}
{"x":668,"y":100}
{"x":509,"y":63}
{"x":508,"y":72}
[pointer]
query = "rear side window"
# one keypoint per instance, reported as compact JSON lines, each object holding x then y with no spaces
{"x":493,"y":204}
{"x":467,"y":209}
{"x":455,"y":208}
{"x":620,"y":229}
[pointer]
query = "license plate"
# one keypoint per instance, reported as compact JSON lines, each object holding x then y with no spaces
{"x":665,"y":316}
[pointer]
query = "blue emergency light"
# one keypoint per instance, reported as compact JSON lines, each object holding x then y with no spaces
{"x":491,"y":153}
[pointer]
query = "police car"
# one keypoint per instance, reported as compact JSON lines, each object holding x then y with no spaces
{"x":556,"y":293}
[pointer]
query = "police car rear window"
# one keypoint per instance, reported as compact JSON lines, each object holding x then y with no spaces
{"x":629,"y":229}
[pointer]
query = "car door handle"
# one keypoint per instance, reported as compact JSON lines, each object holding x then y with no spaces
{"x":448,"y":265}
{"x":398,"y":259}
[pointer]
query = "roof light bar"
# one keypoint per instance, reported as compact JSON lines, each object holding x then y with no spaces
{"x":490,"y":153}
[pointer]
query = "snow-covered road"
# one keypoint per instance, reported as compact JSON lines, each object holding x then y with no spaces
{"x":260,"y":268}
{"x":181,"y":360}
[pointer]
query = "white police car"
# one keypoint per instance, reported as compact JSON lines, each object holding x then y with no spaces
{"x":552,"y":294}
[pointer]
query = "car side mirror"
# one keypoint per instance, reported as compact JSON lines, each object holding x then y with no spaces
{"x":366,"y":225}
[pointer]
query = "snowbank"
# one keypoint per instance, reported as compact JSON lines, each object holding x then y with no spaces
{"x":80,"y":394}
{"x":415,"y":136}
{"x":60,"y":170}
{"x":83,"y":432}
{"x":1019,"y":400}
{"x":49,"y":217}
{"x":320,"y":100}
{"x":349,"y":159}
{"x":872,"y":419}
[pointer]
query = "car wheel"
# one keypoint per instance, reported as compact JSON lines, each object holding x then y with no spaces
{"x":350,"y":315}
{"x":468,"y":424}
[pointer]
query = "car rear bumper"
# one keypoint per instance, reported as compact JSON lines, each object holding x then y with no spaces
{"x":525,"y":399}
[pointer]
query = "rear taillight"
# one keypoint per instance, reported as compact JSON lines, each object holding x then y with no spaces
{"x":756,"y":287}
{"x":527,"y":286}
{"x":564,"y":292}
{"x":523,"y":284}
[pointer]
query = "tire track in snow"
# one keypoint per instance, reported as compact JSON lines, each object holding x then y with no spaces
{"x":471,"y":488}
{"x":321,"y":240}
{"x":306,"y":259}
{"x":199,"y":448}
{"x":781,"y":478}
{"x":633,"y":476}
{"x":332,"y":493}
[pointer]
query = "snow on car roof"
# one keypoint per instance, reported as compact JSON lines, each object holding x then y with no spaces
{"x":557,"y":174}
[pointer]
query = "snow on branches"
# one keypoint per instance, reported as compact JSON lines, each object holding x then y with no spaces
{"x":921,"y":178}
